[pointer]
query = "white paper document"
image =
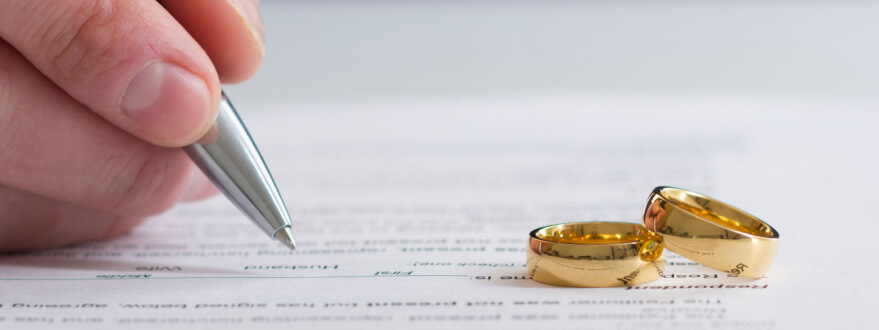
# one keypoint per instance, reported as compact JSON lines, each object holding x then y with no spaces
{"x":415,"y":215}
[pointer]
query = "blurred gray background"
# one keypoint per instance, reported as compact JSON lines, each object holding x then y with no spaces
{"x":355,"y":50}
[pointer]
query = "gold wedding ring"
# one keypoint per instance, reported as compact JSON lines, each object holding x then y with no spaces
{"x":595,"y":254}
{"x":711,"y":233}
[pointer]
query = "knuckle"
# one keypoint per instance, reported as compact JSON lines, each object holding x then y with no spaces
{"x":85,"y":40}
{"x":142,"y":185}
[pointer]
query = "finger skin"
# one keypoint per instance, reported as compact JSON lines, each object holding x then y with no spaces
{"x":198,"y":187}
{"x":53,"y":146}
{"x":30,"y":221}
{"x":93,"y":50}
{"x":230,"y":31}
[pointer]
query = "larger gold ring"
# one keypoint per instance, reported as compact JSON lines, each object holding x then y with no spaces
{"x":710,"y":232}
{"x":595,"y":254}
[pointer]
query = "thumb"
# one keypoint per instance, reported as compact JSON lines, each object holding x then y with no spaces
{"x":128,"y":61}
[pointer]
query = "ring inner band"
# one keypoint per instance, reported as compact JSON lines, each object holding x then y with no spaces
{"x":718,"y":213}
{"x":601,"y":233}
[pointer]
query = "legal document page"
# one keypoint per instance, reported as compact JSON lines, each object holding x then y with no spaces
{"x":416,"y":214}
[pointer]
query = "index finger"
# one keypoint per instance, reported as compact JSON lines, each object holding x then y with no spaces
{"x":130,"y":62}
{"x":230,"y":31}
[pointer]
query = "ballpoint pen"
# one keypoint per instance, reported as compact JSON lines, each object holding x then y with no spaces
{"x":228,"y":156}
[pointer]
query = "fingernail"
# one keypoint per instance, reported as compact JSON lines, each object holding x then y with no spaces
{"x":198,"y":187}
{"x":170,"y":103}
{"x":249,"y":10}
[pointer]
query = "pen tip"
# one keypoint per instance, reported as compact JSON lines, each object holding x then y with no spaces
{"x":285,"y":236}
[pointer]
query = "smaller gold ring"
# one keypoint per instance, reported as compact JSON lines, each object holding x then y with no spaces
{"x":710,"y":232}
{"x":595,"y":254}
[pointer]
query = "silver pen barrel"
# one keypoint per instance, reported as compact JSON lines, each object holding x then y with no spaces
{"x":228,"y":156}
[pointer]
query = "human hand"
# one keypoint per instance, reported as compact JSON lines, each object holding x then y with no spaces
{"x":95,"y":98}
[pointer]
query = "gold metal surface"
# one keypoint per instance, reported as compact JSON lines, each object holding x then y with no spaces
{"x":710,"y":232}
{"x":595,"y":254}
